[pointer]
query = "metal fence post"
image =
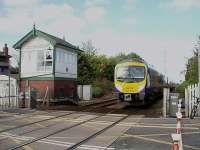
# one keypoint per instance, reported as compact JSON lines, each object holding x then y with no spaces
{"x":186,"y":103}
{"x":165,"y":97}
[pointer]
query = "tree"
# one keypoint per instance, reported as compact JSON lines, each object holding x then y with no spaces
{"x":86,"y":69}
{"x":123,"y":56}
{"x":110,"y":68}
{"x":191,"y":75}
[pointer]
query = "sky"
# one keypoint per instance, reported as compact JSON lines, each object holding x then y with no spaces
{"x":163,"y":32}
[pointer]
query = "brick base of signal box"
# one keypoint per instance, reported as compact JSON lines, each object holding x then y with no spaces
{"x":57,"y":89}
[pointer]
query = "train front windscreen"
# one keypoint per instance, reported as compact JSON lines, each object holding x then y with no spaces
{"x":130,"y":73}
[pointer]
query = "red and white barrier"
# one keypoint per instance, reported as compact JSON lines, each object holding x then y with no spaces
{"x":177,"y":138}
{"x":178,"y":125}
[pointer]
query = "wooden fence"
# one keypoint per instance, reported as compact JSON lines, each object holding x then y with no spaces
{"x":191,"y":92}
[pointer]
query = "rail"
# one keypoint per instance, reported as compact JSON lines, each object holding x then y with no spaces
{"x":61,"y":130}
{"x":95,"y":134}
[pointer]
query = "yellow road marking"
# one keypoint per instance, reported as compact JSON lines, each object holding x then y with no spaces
{"x":143,"y":135}
{"x":140,"y":125}
{"x":25,"y":147}
{"x":36,"y":123}
{"x":146,"y":135}
{"x":164,"y":127}
{"x":170,"y":124}
{"x":40,"y":125}
{"x":190,"y":132}
{"x":6,"y":126}
{"x":160,"y":141}
{"x":148,"y":139}
{"x":90,"y":126}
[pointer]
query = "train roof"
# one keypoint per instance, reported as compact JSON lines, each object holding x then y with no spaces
{"x":149,"y":66}
{"x":133,"y":59}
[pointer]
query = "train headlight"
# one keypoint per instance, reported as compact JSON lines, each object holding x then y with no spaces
{"x":118,"y":88}
{"x":140,"y":88}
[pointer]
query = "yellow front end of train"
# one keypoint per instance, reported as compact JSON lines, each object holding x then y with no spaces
{"x":131,"y":80}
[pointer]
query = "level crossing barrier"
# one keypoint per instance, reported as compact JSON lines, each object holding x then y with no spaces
{"x":177,"y":137}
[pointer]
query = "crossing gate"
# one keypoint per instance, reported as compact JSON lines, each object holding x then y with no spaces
{"x":170,"y":103}
{"x":8,"y":92}
{"x":191,"y":92}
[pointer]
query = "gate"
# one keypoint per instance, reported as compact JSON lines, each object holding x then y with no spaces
{"x":8,"y":92}
{"x":191,"y":92}
{"x":170,"y":103}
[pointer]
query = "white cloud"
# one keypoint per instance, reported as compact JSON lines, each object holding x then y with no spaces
{"x":94,"y":14}
{"x":68,"y":26}
{"x":181,"y":5}
{"x":129,"y":4}
{"x":52,"y":11}
{"x":129,"y":22}
{"x":58,"y":19}
{"x":14,"y":23}
{"x":21,"y":3}
{"x":92,"y":3}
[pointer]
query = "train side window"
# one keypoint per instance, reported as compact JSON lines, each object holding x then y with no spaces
{"x":148,"y":80}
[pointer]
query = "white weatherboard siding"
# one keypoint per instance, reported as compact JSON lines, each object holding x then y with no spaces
{"x":33,"y":59}
{"x":66,"y":64}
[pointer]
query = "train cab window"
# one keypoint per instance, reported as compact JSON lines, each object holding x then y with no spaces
{"x":130,"y":73}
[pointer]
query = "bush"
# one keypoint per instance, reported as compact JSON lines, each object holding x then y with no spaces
{"x":97,"y":91}
{"x":101,"y":87}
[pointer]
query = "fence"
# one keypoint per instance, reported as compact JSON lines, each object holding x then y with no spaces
{"x":8,"y":92}
{"x":191,"y":92}
{"x":170,"y":103}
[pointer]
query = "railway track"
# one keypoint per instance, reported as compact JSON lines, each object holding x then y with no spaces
{"x":28,"y":124}
{"x":96,"y":107}
{"x":30,"y":131}
{"x":59,"y":116}
{"x":106,"y":103}
{"x":23,"y":117}
{"x":101,"y":102}
{"x":95,"y":134}
{"x":67,"y":128}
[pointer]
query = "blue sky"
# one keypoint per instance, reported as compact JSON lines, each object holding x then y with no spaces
{"x":151,"y":28}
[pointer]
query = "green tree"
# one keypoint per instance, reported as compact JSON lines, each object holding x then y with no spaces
{"x":191,"y":75}
{"x":110,"y":68}
{"x":123,"y":56}
{"x":86,"y":69}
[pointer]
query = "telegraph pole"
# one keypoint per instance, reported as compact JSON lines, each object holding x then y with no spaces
{"x":198,"y":50}
{"x":165,"y":65}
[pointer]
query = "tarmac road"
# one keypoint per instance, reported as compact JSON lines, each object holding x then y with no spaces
{"x":134,"y":133}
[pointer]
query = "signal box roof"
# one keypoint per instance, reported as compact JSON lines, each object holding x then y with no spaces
{"x":52,"y":39}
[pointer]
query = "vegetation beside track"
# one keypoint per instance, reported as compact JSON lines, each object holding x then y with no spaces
{"x":191,"y":74}
{"x":98,"y":70}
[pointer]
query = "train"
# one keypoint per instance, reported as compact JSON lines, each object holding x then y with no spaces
{"x":137,"y":82}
